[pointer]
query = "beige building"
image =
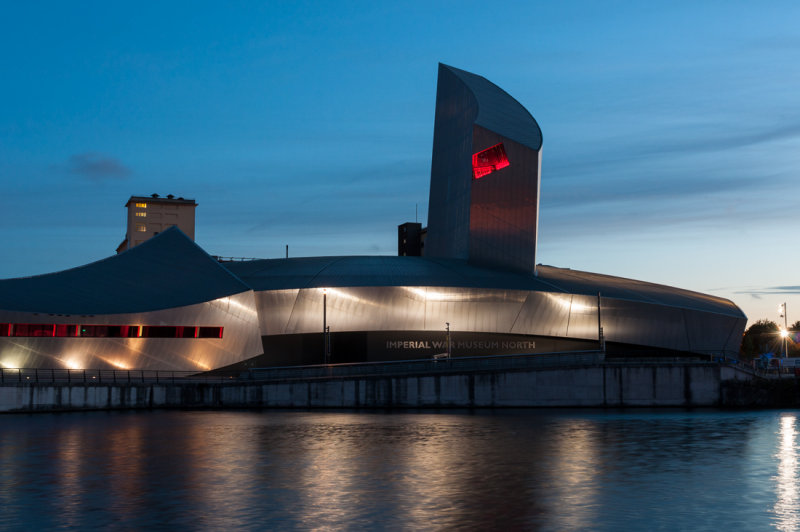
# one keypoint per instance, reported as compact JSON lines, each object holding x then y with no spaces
{"x":149,"y":215}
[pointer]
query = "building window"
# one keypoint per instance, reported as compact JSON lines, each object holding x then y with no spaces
{"x":66,"y":330}
{"x":61,"y":330}
{"x":33,"y":329}
{"x":141,"y":205}
{"x":141,"y":214}
{"x":209,"y":332}
{"x":489,"y":160}
{"x":141,"y":228}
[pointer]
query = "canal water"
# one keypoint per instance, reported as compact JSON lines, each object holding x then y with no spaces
{"x":401,"y":470}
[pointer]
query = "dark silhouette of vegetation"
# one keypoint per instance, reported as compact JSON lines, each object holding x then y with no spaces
{"x":764,"y":337}
{"x":761,"y":337}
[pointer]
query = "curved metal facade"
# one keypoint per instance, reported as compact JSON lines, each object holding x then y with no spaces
{"x":555,"y":304}
{"x":490,"y":220}
{"x":236,"y":314}
{"x":168,"y":281}
{"x":478,"y":275}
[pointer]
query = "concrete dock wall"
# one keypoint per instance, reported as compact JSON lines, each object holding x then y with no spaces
{"x":602,"y":385}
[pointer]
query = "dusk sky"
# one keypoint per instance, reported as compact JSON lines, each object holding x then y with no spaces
{"x":671,"y":129}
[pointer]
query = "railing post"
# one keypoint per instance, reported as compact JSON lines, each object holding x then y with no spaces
{"x":36,"y":373}
{"x":69,"y":376}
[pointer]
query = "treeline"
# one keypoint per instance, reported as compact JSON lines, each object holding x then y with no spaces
{"x":764,"y":337}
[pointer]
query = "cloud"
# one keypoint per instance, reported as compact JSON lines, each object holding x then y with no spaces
{"x":654,"y":146}
{"x":96,"y":166}
{"x":771,"y":290}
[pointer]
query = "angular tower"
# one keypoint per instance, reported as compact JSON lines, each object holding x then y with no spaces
{"x":484,"y":197}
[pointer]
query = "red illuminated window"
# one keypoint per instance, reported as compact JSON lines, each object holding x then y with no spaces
{"x":33,"y":329}
{"x":187,"y":332}
{"x":209,"y":332}
{"x":65,"y":330}
{"x":60,"y":330}
{"x":487,"y":161}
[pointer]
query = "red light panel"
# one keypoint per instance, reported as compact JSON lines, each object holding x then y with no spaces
{"x":60,"y":330}
{"x":487,"y":161}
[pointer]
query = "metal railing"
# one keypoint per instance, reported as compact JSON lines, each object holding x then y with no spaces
{"x":220,"y":258}
{"x":426,"y":366}
{"x":323,"y":371}
{"x":103,"y":376}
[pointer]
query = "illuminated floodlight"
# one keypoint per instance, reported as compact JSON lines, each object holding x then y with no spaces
{"x":784,"y":333}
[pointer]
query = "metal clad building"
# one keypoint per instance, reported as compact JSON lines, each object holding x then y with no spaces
{"x":166,"y":304}
{"x":489,"y":218}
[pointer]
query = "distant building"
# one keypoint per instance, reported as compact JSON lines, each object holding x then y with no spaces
{"x":150,"y":215}
{"x":411,"y":239}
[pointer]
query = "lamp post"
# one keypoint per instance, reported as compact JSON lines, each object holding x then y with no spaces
{"x":449,"y":343}
{"x":600,"y":336}
{"x":325,"y":325}
{"x":785,"y":330}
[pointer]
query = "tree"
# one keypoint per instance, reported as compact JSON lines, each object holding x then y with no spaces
{"x":762,"y":337}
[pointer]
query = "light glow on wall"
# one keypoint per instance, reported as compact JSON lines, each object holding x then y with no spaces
{"x":487,"y":161}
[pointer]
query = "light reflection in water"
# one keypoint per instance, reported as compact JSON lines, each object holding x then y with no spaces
{"x":786,"y":508}
{"x":70,"y":460}
{"x":560,"y":470}
{"x":576,"y":467}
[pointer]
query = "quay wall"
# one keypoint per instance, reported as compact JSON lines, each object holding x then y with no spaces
{"x":600,"y":385}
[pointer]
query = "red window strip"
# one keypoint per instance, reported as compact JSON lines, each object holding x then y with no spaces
{"x":61,"y":330}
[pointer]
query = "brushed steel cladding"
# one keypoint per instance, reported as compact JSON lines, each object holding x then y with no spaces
{"x":167,"y":271}
{"x":648,"y":324}
{"x":451,"y":168}
{"x":523,"y":312}
{"x":492,"y":220}
{"x":504,"y":207}
{"x":275,"y":310}
{"x":699,"y":323}
{"x":236,"y":314}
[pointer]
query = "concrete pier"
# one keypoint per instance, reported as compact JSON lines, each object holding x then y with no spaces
{"x":599,"y":384}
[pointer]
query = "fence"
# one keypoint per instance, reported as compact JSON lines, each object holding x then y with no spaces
{"x":103,"y":376}
{"x":427,"y":366}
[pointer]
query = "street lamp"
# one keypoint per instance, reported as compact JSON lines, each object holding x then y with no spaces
{"x":326,"y":353}
{"x":785,"y":330}
{"x":449,"y":342}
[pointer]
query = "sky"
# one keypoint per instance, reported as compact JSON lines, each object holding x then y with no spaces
{"x":671,"y":129}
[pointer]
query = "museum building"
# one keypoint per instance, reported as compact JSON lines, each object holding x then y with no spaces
{"x":469,"y":281}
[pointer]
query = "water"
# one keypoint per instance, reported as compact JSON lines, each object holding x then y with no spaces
{"x":515,"y":469}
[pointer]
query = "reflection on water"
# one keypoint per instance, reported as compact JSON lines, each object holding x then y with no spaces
{"x":555,"y":470}
{"x":786,"y":507}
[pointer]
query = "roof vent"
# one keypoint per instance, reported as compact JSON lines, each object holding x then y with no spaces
{"x":153,"y":195}
{"x":180,"y":199}
{"x":170,"y":196}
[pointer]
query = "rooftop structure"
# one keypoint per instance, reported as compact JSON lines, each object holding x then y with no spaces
{"x":150,"y":215}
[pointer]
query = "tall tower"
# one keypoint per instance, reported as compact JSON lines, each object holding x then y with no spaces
{"x":485,"y":170}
